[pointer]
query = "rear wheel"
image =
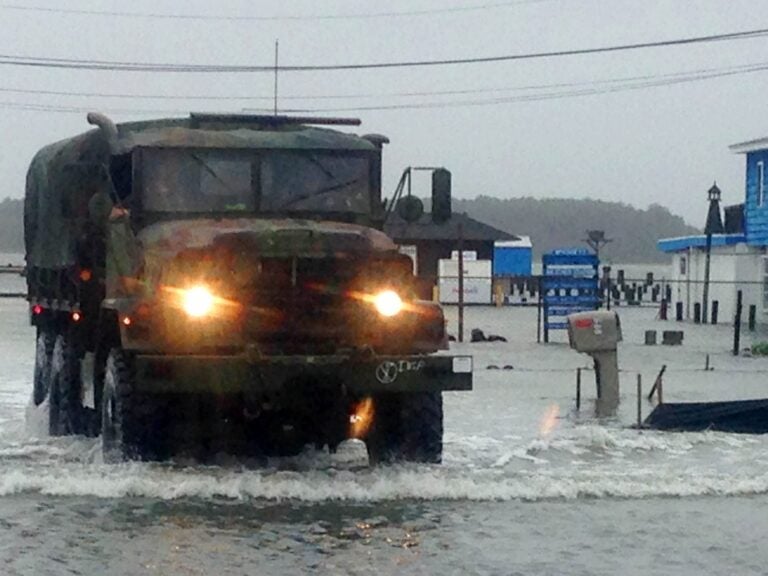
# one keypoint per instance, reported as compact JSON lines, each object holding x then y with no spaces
{"x":129,"y":419}
{"x":43,"y":356}
{"x":65,"y":411}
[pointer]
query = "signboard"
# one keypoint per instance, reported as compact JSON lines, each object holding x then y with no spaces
{"x":477,"y":281}
{"x":570,"y":283}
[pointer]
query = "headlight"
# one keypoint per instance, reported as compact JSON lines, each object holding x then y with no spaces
{"x":388,"y":303}
{"x":197,"y":301}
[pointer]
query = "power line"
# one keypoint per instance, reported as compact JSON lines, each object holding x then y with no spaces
{"x":682,"y":75}
{"x":528,"y":98}
{"x":276,"y":18}
{"x":603,"y":87}
{"x":126,"y":66}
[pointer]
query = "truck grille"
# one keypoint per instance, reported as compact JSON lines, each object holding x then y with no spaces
{"x":302,"y":306}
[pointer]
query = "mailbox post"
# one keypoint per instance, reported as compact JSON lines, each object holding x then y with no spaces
{"x":598,"y":333}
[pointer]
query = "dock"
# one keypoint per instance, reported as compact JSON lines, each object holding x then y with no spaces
{"x":10,"y":269}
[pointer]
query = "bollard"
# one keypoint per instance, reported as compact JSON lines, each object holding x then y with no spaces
{"x":578,"y":389}
{"x":752,"y":316}
{"x":639,"y":400}
{"x":679,"y":311}
{"x":697,"y":313}
{"x":715,"y":310}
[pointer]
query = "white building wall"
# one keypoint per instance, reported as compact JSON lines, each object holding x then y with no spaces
{"x":732,"y":268}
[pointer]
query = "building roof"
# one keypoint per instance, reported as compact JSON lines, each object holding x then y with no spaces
{"x":700,"y":241}
{"x":749,"y":146}
{"x":520,"y":242}
{"x":424,"y":229}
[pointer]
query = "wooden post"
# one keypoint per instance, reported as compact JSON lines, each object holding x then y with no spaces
{"x":639,"y":400}
{"x":737,"y":324}
{"x":660,"y":389}
{"x":578,"y":389}
{"x":461,"y":282}
{"x":538,"y":316}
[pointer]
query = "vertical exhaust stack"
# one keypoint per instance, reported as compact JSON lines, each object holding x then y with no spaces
{"x":107,"y":127}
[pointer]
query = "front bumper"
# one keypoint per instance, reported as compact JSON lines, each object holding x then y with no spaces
{"x":241,"y":373}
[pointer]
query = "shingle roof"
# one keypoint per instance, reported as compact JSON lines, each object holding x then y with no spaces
{"x":425,"y":229}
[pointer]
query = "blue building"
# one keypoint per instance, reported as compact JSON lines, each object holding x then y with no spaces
{"x":739,"y":259}
{"x":513,"y":257}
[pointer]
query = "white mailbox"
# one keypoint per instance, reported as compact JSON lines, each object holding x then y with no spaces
{"x":595,"y":331}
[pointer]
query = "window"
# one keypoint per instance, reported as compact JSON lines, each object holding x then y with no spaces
{"x":198,"y":181}
{"x":760,"y":183}
{"x":765,"y":283}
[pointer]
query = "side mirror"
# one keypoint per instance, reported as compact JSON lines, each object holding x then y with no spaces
{"x":410,"y":208}
{"x":441,"y":195}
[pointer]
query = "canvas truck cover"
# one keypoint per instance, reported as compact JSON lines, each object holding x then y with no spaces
{"x":57,"y":192}
{"x":56,"y":199}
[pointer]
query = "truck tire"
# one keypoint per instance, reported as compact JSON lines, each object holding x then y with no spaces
{"x":65,"y":402}
{"x":383,"y":440}
{"x":407,"y":427}
{"x":128,"y":418}
{"x":422,"y":427}
{"x":43,"y":357}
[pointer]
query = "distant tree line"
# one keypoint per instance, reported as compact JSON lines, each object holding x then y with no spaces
{"x":563,"y":222}
{"x":12,"y":225}
{"x":550,"y":222}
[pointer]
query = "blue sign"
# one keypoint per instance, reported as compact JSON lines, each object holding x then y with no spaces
{"x":570,"y":283}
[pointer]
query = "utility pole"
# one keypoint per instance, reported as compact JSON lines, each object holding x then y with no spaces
{"x":596,"y":240}
{"x":277,"y":53}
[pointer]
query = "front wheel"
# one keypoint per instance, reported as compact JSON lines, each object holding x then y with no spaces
{"x":128,"y":419}
{"x":407,"y":427}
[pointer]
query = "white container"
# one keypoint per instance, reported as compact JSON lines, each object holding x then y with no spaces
{"x":477,"y":281}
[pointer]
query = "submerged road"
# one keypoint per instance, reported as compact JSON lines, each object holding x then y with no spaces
{"x":528,"y":486}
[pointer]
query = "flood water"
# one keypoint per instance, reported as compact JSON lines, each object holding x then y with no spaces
{"x":528,"y":485}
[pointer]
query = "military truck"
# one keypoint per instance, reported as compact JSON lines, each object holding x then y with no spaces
{"x":221,"y":283}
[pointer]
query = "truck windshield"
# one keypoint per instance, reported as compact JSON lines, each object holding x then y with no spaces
{"x":194,"y":181}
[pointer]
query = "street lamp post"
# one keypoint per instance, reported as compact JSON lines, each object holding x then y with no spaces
{"x":714,"y":225}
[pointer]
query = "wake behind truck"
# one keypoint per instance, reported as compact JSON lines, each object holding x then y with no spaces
{"x":221,"y":283}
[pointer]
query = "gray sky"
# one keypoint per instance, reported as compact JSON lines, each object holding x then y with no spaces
{"x":664,"y":144}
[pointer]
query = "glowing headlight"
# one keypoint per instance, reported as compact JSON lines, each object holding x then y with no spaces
{"x":197,"y":302}
{"x":388,"y":303}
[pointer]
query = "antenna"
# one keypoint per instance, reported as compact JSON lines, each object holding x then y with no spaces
{"x":277,"y":53}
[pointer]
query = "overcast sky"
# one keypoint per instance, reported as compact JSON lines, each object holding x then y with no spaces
{"x":660,"y":144}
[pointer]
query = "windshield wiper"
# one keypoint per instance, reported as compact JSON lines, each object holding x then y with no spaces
{"x":213,"y":173}
{"x":321,"y":191}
